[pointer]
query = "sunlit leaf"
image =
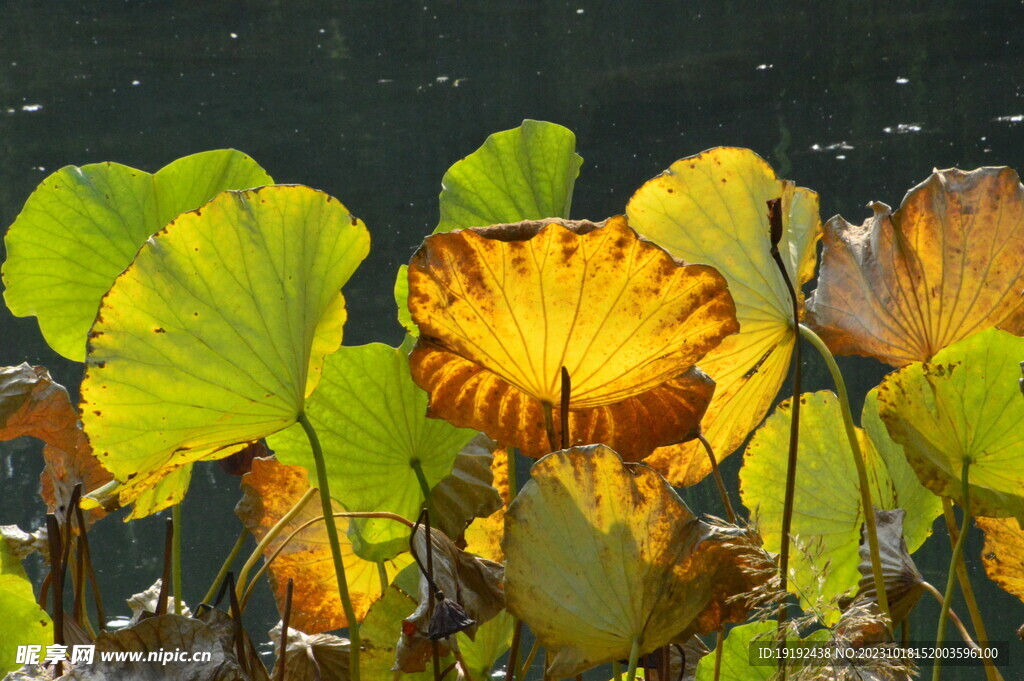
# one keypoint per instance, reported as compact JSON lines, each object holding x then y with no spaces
{"x":963,"y":405}
{"x":32,"y":404}
{"x":270,"y":491}
{"x":370,"y":417}
{"x":711,"y":208}
{"x":741,"y":643}
{"x":82,"y":226}
{"x":948,"y":263}
{"x":23,"y":622}
{"x":501,"y":310}
{"x":483,"y":536}
{"x":313,"y":657}
{"x":216,"y":334}
{"x":381,"y":632}
{"x":599,"y":553}
{"x":1003,"y":553}
{"x":493,"y":638}
{"x":467,"y":493}
{"x":827,"y":513}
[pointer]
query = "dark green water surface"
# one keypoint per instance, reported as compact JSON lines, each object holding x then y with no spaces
{"x":373,"y":101}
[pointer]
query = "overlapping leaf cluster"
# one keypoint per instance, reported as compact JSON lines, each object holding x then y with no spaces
{"x":628,"y":354}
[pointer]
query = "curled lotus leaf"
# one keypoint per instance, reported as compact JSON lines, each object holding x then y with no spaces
{"x":903,"y":581}
{"x":712,"y":208}
{"x":946,"y":264}
{"x":600,"y":553}
{"x":269,"y":491}
{"x":483,"y":536}
{"x":233,"y":354}
{"x":92,"y":220}
{"x":501,"y":310}
{"x":1003,"y":553}
{"x":963,"y":405}
{"x":467,"y":492}
{"x":32,"y":404}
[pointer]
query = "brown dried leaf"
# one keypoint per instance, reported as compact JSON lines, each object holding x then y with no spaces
{"x":946,"y":264}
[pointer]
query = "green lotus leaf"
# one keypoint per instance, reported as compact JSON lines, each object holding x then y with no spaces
{"x":963,"y":405}
{"x":827,"y":514}
{"x":736,"y":654}
{"x":600,"y":554}
{"x":526,"y":173}
{"x":371,"y":419}
{"x":380,"y":633}
{"x":216,"y":334}
{"x":467,"y":493}
{"x":23,"y":621}
{"x":493,"y":638}
{"x":83,"y":225}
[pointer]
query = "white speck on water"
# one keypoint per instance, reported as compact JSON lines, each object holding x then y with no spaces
{"x":902,"y":128}
{"x":841,"y":157}
{"x":835,"y":146}
{"x":385,"y":80}
{"x":30,"y":108}
{"x":580,"y":11}
{"x":322,"y":31}
{"x":441,"y":79}
{"x":902,"y":81}
{"x":234,"y":36}
{"x":39,"y":168}
{"x":765,"y":67}
{"x":1015,"y":118}
{"x":459,"y":81}
{"x":136,"y":83}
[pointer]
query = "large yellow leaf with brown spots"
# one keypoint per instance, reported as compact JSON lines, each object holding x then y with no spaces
{"x":1003,"y":553}
{"x":269,"y":491}
{"x":948,"y":263}
{"x":502,"y":309}
{"x":712,"y":208}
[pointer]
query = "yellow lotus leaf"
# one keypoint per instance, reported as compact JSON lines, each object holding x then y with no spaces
{"x":1003,"y":553}
{"x":946,"y":264}
{"x":483,"y":536}
{"x":601,"y":553}
{"x":712,"y":208}
{"x":269,"y":491}
{"x":502,"y":309}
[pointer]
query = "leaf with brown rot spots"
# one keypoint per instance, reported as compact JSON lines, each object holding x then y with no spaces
{"x":905,"y":284}
{"x":502,"y":309}
{"x":1003,"y":553}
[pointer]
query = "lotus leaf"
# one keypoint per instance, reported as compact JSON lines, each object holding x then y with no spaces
{"x":23,"y":622}
{"x":216,"y":334}
{"x":32,"y":404}
{"x":963,"y":405}
{"x":902,"y":579}
{"x":827,"y":513}
{"x":370,"y":418}
{"x":466,"y":494}
{"x":739,"y":645}
{"x":1003,"y":553}
{"x":493,"y":638}
{"x":501,"y":310}
{"x":483,"y":536}
{"x":270,"y":491}
{"x":946,"y":264}
{"x":711,"y":208}
{"x":381,"y":632}
{"x":310,"y":657}
{"x":82,"y":227}
{"x":600,"y":553}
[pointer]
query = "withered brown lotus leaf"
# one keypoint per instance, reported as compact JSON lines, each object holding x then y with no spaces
{"x":947,"y":263}
{"x":467,"y":493}
{"x":1003,"y":553}
{"x":502,"y":309}
{"x":31,"y":403}
{"x":315,"y":657}
{"x":268,"y":492}
{"x":711,"y":208}
{"x":899,"y":573}
{"x":600,"y":553}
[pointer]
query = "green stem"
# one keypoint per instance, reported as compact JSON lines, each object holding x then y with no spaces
{"x":951,"y":577}
{"x":719,"y":482}
{"x":382,"y":574}
{"x":528,"y":662}
{"x":271,"y":535}
{"x":862,"y":475}
{"x":332,"y":538}
{"x":634,"y":657}
{"x":991,"y":673}
{"x":719,"y":643}
{"x":176,"y":557}
{"x":226,"y":566}
{"x":421,"y":478}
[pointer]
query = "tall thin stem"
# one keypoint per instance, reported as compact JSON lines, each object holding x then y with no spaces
{"x":951,"y":577}
{"x":176,"y":557}
{"x":867,"y":506}
{"x":226,"y":566}
{"x":719,"y":482}
{"x":332,"y":538}
{"x":564,"y":407}
{"x":634,"y":658}
{"x":270,"y":536}
{"x":421,"y":478}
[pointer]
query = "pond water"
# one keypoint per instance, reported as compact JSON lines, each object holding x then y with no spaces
{"x":372,"y":102}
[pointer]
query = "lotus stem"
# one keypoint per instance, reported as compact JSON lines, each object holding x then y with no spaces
{"x":90,"y":572}
{"x":225,"y":566}
{"x":951,"y":577}
{"x":382,"y":574}
{"x":617,"y":670}
{"x":282,"y":658}
{"x":421,"y":478}
{"x":165,"y":574}
{"x":719,"y":641}
{"x":867,"y":505}
{"x":332,"y":537}
{"x":513,"y":651}
{"x":271,"y":535}
{"x":244,"y":600}
{"x":634,"y":657}
{"x":530,"y":657}
{"x":964,"y":634}
{"x":991,"y":673}
{"x":719,"y":482}
{"x":176,"y":557}
{"x":564,"y":407}
{"x":775,"y":236}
